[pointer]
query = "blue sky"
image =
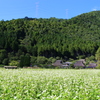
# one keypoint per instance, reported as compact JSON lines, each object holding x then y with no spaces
{"x":66,"y":9}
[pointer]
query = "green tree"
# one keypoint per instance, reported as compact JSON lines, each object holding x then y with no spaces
{"x":33,"y":60}
{"x":97,"y":55}
{"x":21,"y":64}
{"x":5,"y":61}
{"x":27,"y":60}
{"x":14,"y":63}
{"x":3,"y":55}
{"x":41,"y":60}
{"x":98,"y":66}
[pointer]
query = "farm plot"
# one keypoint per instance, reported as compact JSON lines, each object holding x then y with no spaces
{"x":46,"y":84}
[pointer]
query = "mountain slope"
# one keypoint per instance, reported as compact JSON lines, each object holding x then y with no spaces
{"x":52,"y":37}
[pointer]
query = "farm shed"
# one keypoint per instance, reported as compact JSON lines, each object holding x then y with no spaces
{"x":10,"y":67}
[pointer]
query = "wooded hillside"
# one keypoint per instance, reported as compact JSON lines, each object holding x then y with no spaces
{"x":78,"y":36}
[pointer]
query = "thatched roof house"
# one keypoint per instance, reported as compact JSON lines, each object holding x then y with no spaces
{"x":58,"y":63}
{"x":79,"y":64}
{"x":61,"y":64}
{"x":92,"y":65}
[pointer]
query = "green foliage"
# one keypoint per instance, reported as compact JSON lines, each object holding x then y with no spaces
{"x":3,"y":55}
{"x":14,"y":63}
{"x":57,"y":38}
{"x":51,"y":60}
{"x":21,"y":61}
{"x":90,"y":59}
{"x":5,"y":61}
{"x":42,"y":84}
{"x":98,"y":66}
{"x":41,"y":60}
{"x":71,"y":66}
{"x":81,"y":56}
{"x":25,"y":60}
{"x":33,"y":60}
{"x":57,"y":58}
{"x":97,"y":55}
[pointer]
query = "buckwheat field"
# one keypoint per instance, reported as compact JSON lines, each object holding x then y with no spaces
{"x":49,"y":84}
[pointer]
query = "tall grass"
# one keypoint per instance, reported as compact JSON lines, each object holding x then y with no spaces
{"x":49,"y":84}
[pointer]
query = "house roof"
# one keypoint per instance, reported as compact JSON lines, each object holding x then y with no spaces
{"x":83,"y":60}
{"x":79,"y":63}
{"x":92,"y":65}
{"x":58,"y":63}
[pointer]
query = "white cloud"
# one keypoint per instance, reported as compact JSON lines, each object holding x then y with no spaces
{"x":94,"y":9}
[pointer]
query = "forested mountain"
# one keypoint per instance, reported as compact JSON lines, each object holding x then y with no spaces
{"x":50,"y":37}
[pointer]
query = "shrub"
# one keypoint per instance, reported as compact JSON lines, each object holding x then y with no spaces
{"x":14,"y":63}
{"x":98,"y":66}
{"x":53,"y":60}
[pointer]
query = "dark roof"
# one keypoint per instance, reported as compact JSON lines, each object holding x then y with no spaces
{"x":79,"y":63}
{"x":58,"y":63}
{"x":92,"y":65}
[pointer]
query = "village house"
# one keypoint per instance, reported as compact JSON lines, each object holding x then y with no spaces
{"x":61,"y":64}
{"x":92,"y":65}
{"x":58,"y":63}
{"x":79,"y":64}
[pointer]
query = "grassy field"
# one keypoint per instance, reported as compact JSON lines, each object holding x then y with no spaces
{"x":49,"y":84}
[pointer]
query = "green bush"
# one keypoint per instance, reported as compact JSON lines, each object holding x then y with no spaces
{"x":14,"y":63}
{"x":98,"y":66}
{"x":53,"y":60}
